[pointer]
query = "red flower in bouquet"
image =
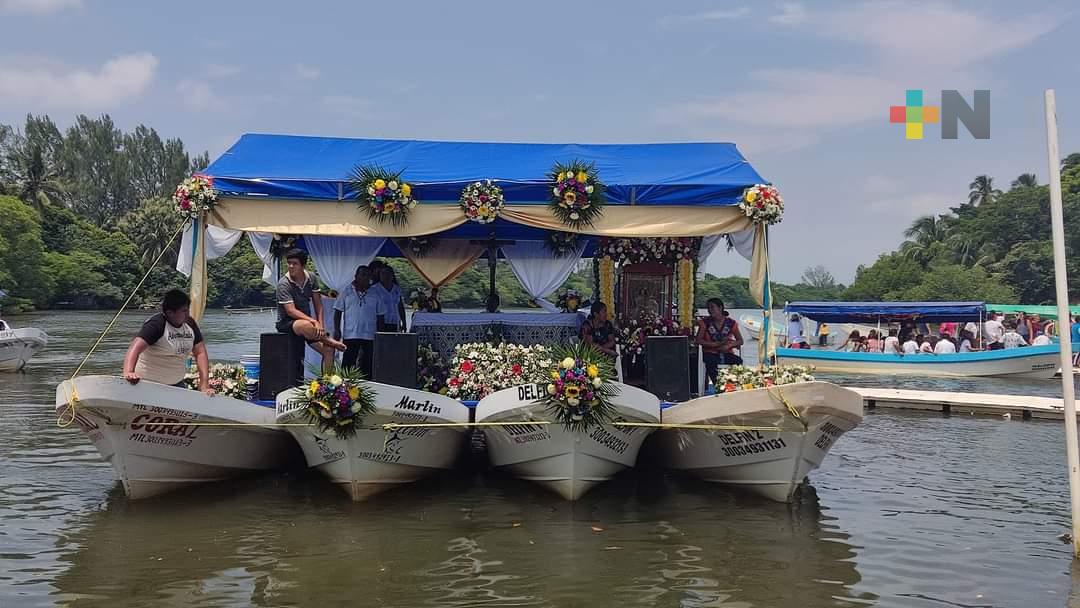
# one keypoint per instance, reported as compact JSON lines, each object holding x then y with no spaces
{"x":467,"y":367}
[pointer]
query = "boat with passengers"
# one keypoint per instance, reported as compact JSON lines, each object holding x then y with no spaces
{"x":1029,"y":362}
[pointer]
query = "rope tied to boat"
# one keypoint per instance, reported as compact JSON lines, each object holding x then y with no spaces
{"x":67,"y":416}
{"x":779,"y":396}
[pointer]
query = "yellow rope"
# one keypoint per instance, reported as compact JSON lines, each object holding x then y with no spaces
{"x":389,"y":426}
{"x":73,"y":396}
{"x":779,"y":396}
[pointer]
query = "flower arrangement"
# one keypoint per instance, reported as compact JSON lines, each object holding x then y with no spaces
{"x":762,"y":204}
{"x":384,"y":195}
{"x":479,"y":369}
{"x":561,"y":244}
{"x":421,"y":299}
{"x":742,"y":378}
{"x":577,"y":195}
{"x":482,"y":201}
{"x":431,"y":372}
{"x":632,"y":333}
{"x":225,"y":380}
{"x":282,"y":243}
{"x":667,"y":251}
{"x":569,"y":301}
{"x":580,"y":387}
{"x":194,"y":195}
{"x":420,"y":246}
{"x":337,"y":402}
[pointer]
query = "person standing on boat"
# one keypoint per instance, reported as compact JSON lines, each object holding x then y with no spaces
{"x":360,"y":310}
{"x":795,"y":336}
{"x":718,"y":335}
{"x":994,"y":331}
{"x":296,"y":301}
{"x":823,"y":334}
{"x":598,"y":330}
{"x":1023,"y":326}
{"x":159,"y":352}
{"x":965,"y":341}
{"x":387,"y":290}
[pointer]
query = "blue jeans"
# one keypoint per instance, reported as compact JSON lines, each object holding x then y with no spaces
{"x":714,"y":360}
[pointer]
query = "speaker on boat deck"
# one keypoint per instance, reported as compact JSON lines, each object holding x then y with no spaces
{"x":395,"y":359}
{"x":667,"y":367}
{"x":281,"y":363}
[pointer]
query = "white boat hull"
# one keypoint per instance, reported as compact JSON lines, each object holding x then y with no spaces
{"x":375,"y":460}
{"x":566,"y":462}
{"x":149,"y":433}
{"x":1029,"y":362}
{"x":766,"y":462}
{"x":17,"y":346}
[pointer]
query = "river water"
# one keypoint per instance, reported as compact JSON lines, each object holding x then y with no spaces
{"x":909,"y":509}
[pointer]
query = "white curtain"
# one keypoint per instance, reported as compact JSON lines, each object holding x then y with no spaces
{"x":336,"y":257}
{"x":218,"y":242}
{"x":538,"y":270}
{"x":260,"y":242}
{"x":743,"y":242}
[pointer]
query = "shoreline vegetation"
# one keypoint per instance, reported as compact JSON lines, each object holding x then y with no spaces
{"x":87,"y":210}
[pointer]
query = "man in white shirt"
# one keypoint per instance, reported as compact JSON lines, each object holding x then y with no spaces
{"x":387,"y":290}
{"x":1042,"y":340}
{"x":911,"y":347}
{"x":892,"y":344}
{"x":1012,"y":339}
{"x":795,"y":336}
{"x":944,"y":346}
{"x":361,"y":310}
{"x":994,"y":332}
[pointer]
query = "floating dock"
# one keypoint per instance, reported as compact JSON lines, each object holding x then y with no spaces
{"x":1018,"y":407}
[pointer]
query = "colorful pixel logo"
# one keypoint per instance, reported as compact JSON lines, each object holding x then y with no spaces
{"x":913,"y":114}
{"x":954,"y":109}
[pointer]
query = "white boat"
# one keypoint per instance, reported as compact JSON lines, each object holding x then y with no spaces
{"x":374,"y":459}
{"x":1027,"y":362}
{"x":568,"y":462}
{"x":153,"y":436}
{"x":18,"y":345}
{"x":766,"y":462}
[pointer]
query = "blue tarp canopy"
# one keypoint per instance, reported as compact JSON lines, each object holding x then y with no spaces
{"x":853,"y":312}
{"x":295,"y":167}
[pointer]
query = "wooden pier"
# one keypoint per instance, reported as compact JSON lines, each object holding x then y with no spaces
{"x":1017,"y":407}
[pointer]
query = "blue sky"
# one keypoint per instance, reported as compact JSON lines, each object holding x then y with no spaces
{"x":802,"y":87}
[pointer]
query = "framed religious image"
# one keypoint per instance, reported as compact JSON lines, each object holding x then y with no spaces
{"x":646,"y":291}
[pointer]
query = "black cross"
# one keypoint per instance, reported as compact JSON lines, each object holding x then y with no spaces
{"x":492,"y":244}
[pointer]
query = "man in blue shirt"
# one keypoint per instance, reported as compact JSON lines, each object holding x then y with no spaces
{"x":1075,"y":332}
{"x":361,"y":309}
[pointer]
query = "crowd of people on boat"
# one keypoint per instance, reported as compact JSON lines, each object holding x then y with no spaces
{"x":997,"y":332}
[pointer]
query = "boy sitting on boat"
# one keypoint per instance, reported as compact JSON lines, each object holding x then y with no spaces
{"x":160,"y":351}
{"x":296,"y":296}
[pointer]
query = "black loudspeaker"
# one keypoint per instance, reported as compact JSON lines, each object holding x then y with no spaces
{"x":281,"y":363}
{"x":667,"y":367}
{"x":395,"y":359}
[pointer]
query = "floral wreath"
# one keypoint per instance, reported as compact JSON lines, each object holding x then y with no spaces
{"x":663,"y":250}
{"x":482,"y":201}
{"x":226,"y":380}
{"x":194,"y":195}
{"x":580,"y":389}
{"x":569,"y":301}
{"x":561,"y":244}
{"x":762,"y":204}
{"x":337,"y":402}
{"x":577,"y":195}
{"x":742,"y":378}
{"x":383,"y":194}
{"x":420,"y":246}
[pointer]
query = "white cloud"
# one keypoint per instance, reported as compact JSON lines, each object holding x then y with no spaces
{"x":348,"y":105}
{"x":306,"y":72}
{"x":707,"y":16}
{"x":222,"y":70}
{"x":197,"y":95}
{"x":791,"y":13}
{"x":37,"y":7}
{"x":116,"y":81}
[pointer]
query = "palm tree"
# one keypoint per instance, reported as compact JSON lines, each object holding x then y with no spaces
{"x":39,"y":183}
{"x":1025,"y":180}
{"x":925,"y":238}
{"x":149,"y":227}
{"x":982,"y":190}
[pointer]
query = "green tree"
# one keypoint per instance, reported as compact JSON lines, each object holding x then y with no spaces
{"x":99,"y":171}
{"x":149,"y":227}
{"x":22,"y":256}
{"x":886,"y":280}
{"x":818,"y":276}
{"x":952,"y":282}
{"x":982,"y":190}
{"x":926,"y":239}
{"x":1025,"y":180}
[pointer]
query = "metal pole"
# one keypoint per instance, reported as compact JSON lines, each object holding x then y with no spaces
{"x":1061,"y":283}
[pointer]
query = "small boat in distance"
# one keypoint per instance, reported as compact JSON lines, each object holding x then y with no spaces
{"x":248,"y":310}
{"x":17,"y":346}
{"x":1029,"y":362}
